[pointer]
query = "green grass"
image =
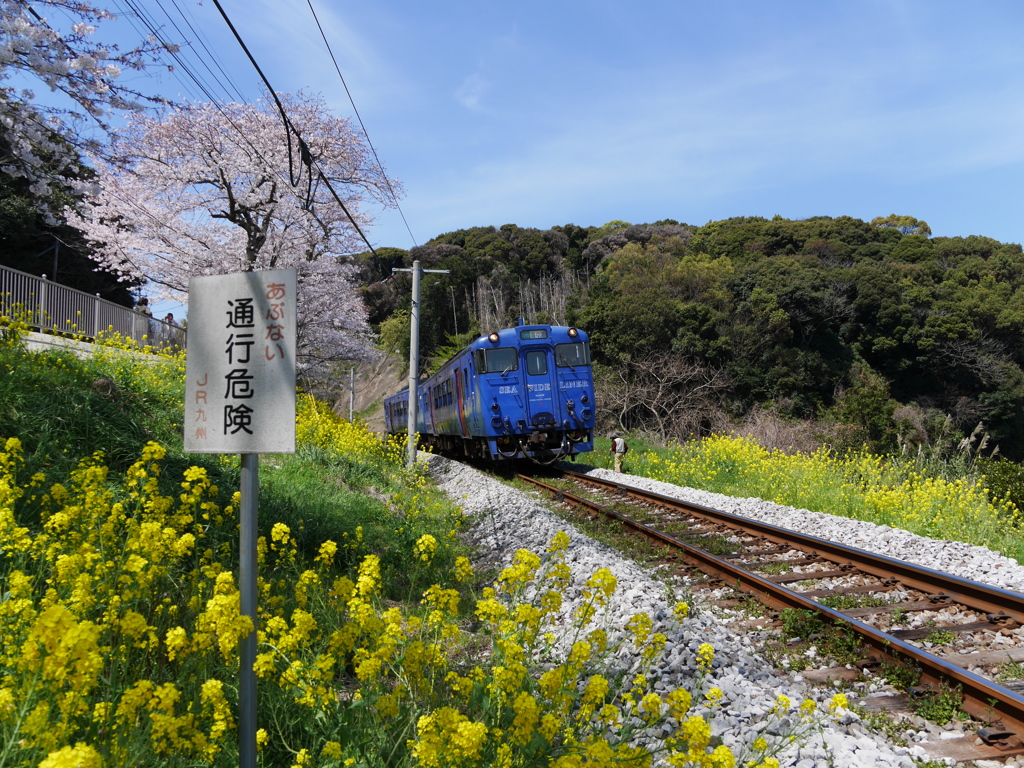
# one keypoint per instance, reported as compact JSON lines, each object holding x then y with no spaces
{"x":64,"y":408}
{"x":944,"y":500}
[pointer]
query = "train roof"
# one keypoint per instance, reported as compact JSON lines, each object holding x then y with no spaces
{"x":509,"y":335}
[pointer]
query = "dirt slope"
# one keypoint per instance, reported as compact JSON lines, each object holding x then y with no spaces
{"x":372,"y":383}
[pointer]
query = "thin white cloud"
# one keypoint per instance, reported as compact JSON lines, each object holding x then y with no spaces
{"x":764,"y":119}
{"x":472,"y":91}
{"x":291,"y":50}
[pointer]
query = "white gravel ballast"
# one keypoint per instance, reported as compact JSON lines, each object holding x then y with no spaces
{"x":503,"y":520}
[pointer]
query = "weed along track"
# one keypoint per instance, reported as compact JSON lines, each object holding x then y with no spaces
{"x":946,"y":633}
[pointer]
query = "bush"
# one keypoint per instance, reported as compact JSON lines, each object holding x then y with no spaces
{"x":1004,"y":478}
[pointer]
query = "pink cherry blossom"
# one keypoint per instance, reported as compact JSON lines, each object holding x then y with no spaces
{"x":206,"y":190}
{"x":42,"y":142}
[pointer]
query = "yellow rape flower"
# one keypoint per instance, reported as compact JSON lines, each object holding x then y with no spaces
{"x":559,"y":543}
{"x":447,"y":737}
{"x":679,"y":701}
{"x":463,"y":569}
{"x":524,"y":566}
{"x":650,"y":707}
{"x":331,"y":750}
{"x":705,"y":655}
{"x":640,"y":625}
{"x":596,"y":689}
{"x":369,"y":576}
{"x":425,"y":547}
{"x":446,"y":600}
{"x":79,"y":756}
{"x":601,"y":586}
{"x":527,"y":716}
{"x":721,"y":757}
{"x":327,"y":552}
{"x":782,"y":703}
{"x":697,"y":732}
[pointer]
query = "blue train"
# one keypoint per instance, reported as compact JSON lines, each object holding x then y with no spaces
{"x":523,"y":392}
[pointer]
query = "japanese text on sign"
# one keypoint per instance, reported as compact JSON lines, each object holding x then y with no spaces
{"x":240,"y":393}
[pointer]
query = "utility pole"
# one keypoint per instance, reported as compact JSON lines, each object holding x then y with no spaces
{"x":414,"y":350}
{"x":351,"y":387}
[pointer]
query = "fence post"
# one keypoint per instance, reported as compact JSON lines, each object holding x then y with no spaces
{"x":96,"y":318}
{"x":42,"y":302}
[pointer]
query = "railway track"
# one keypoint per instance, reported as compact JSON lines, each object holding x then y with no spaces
{"x":775,"y":565}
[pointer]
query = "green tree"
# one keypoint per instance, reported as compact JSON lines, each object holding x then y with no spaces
{"x":395,"y":332}
{"x":868,"y":406}
{"x":907,"y":225}
{"x":35,"y":239}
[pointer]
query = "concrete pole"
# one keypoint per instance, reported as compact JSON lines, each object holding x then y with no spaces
{"x":351,"y":391}
{"x":414,"y":350}
{"x":414,"y":360}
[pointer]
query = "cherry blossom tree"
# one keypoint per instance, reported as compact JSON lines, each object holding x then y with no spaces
{"x":208,"y":190}
{"x":42,"y":142}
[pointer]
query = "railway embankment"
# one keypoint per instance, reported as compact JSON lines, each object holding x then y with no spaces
{"x":881,"y":728}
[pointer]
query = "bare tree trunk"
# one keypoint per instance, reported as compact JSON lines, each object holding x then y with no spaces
{"x":664,"y":394}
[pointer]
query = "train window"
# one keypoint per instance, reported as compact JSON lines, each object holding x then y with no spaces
{"x":537,"y":362}
{"x":571,"y":355}
{"x":500,"y":360}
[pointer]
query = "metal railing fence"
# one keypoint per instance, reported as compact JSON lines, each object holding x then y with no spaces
{"x":49,"y":306}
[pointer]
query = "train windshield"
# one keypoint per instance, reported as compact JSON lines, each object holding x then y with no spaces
{"x":571,"y":355}
{"x":537,"y":362}
{"x":500,"y":360}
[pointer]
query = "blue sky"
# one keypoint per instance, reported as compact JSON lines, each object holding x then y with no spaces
{"x":583,"y":111}
{"x":544,"y":113}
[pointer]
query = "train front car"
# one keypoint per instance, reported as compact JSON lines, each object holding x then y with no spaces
{"x":535,"y":392}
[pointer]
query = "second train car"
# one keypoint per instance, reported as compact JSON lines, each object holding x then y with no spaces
{"x":523,"y":392}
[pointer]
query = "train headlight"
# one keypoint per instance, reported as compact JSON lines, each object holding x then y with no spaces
{"x":584,"y":399}
{"x":495,"y":407}
{"x":573,"y":333}
{"x":493,"y":338}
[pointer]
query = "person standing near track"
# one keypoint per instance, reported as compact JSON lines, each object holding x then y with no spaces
{"x":619,"y":449}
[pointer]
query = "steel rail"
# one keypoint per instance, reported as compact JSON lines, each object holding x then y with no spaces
{"x":983,"y":699}
{"x":980,"y":597}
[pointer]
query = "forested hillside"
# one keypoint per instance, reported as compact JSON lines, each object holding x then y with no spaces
{"x":876,"y":331}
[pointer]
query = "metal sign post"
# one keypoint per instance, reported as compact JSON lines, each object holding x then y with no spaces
{"x":248,"y":514}
{"x":240,"y":398}
{"x":414,"y":350}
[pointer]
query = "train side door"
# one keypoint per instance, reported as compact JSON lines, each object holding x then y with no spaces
{"x":425,"y":412}
{"x":539,"y":392}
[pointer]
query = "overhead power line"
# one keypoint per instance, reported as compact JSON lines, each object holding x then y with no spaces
{"x":306,"y":156}
{"x":341,"y":77}
{"x":154,"y":30}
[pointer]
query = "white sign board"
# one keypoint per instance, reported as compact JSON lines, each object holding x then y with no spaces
{"x":240,"y":366}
